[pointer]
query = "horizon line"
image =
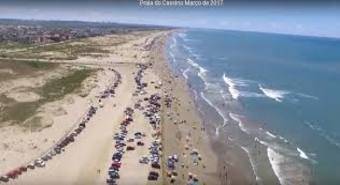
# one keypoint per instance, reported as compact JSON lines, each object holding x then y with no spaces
{"x":178,"y":27}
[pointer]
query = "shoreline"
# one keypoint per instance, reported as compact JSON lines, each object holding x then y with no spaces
{"x":225,"y":172}
{"x":193,"y":124}
{"x":183,"y":133}
{"x":226,"y":152}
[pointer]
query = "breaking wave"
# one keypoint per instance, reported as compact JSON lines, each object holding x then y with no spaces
{"x":201,"y":71}
{"x":270,"y":134}
{"x":302,"y":154}
{"x":234,"y":92}
{"x":197,"y":66}
{"x":182,"y":34}
{"x":231,"y":87}
{"x":277,"y":95}
{"x":237,"y":119}
{"x":286,"y":169}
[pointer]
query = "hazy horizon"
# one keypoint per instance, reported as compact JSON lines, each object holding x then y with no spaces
{"x":300,"y":18}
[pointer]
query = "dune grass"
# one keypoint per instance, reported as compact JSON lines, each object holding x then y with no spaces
{"x":53,"y":90}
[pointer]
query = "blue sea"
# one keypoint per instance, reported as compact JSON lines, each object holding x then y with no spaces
{"x":273,"y":95}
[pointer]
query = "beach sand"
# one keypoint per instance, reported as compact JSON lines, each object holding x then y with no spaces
{"x":86,"y":161}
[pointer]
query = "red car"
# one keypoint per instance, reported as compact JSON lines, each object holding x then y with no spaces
{"x":116,"y":165}
{"x":13,"y":174}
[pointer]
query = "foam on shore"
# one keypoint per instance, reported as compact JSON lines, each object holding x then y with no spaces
{"x":252,"y":163}
{"x":185,"y":73}
{"x":225,"y":120}
{"x":275,"y":160}
{"x":236,"y":118}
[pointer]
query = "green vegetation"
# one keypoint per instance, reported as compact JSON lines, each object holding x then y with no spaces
{"x":39,"y":65}
{"x":53,"y":90}
{"x":58,"y":88}
{"x":19,"y":112}
{"x":13,"y":45}
{"x":68,"y":50}
{"x":17,"y":69}
{"x":34,"y":123}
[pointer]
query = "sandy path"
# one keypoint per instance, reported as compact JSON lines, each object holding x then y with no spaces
{"x":80,"y":163}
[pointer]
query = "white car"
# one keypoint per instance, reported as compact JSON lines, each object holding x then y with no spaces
{"x":39,"y":163}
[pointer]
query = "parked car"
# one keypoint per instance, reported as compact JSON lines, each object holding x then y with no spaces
{"x":153,"y":176}
{"x":39,"y":163}
{"x":4,"y":178}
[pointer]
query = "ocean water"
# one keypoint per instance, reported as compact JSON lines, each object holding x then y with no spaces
{"x":275,"y":96}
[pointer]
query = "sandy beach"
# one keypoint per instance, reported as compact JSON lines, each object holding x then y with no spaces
{"x":88,"y":158}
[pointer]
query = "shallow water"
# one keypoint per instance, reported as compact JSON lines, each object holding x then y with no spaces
{"x":281,"y":91}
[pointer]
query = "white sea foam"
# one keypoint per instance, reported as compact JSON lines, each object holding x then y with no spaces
{"x":197,"y":66}
{"x":261,"y":142}
{"x":252,"y":163}
{"x":275,"y":159}
{"x":201,"y":71}
{"x":182,"y":34}
{"x":302,"y":154}
{"x":231,"y":87}
{"x":185,"y":73}
{"x":287,"y":169}
{"x":277,"y":95}
{"x":307,"y":96}
{"x":225,"y":120}
{"x":187,"y":48}
{"x":173,"y":43}
{"x":270,"y":134}
{"x":321,"y":132}
{"x":250,"y":94}
{"x":236,"y":118}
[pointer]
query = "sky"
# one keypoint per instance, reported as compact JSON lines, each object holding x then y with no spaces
{"x":315,"y":18}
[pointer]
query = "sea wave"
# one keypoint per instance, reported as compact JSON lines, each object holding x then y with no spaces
{"x":236,"y":118}
{"x":321,"y":132}
{"x":277,"y":95}
{"x":201,"y":71}
{"x":182,"y":34}
{"x":225,"y":119}
{"x":231,"y":87}
{"x":302,"y":154}
{"x":307,"y":96}
{"x":275,"y":159}
{"x":173,"y":43}
{"x":197,"y":66}
{"x":185,"y":73}
{"x":270,"y":134}
{"x":286,"y":169}
{"x":252,"y":163}
{"x":235,"y":92}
